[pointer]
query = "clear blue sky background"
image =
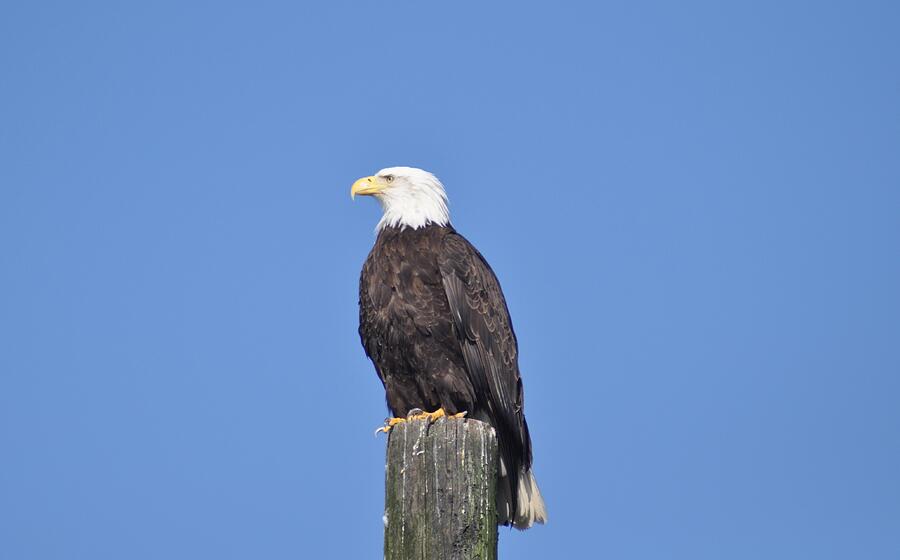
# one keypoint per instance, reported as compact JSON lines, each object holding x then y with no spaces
{"x":694,"y":210}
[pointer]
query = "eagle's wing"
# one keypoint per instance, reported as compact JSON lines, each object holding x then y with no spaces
{"x":487,"y":341}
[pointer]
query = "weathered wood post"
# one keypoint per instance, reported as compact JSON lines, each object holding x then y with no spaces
{"x":440,"y":491}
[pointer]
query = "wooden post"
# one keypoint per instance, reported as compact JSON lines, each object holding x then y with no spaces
{"x":440,"y":491}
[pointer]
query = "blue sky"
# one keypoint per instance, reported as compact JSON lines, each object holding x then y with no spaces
{"x":692,"y":207}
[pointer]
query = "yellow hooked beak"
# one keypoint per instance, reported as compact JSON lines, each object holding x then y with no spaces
{"x":367,"y":186}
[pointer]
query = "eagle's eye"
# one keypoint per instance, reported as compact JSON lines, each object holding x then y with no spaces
{"x":389,"y":178}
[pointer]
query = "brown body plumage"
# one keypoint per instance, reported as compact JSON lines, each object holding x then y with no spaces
{"x":434,"y":322}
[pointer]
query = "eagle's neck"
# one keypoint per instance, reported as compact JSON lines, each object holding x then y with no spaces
{"x":415,"y":207}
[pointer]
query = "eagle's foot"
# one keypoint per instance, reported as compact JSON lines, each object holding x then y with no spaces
{"x":417,"y":414}
{"x":388,"y":424}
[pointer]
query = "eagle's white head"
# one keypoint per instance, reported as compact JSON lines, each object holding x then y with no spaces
{"x":410,"y":197}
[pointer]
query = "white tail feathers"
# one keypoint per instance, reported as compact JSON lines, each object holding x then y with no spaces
{"x":530,"y":508}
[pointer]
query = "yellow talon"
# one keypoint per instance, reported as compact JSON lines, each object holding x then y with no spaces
{"x":430,"y":416}
{"x":388,"y":424}
{"x":433,"y":416}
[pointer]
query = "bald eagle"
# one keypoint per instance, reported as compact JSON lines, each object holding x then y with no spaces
{"x":433,"y":320}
